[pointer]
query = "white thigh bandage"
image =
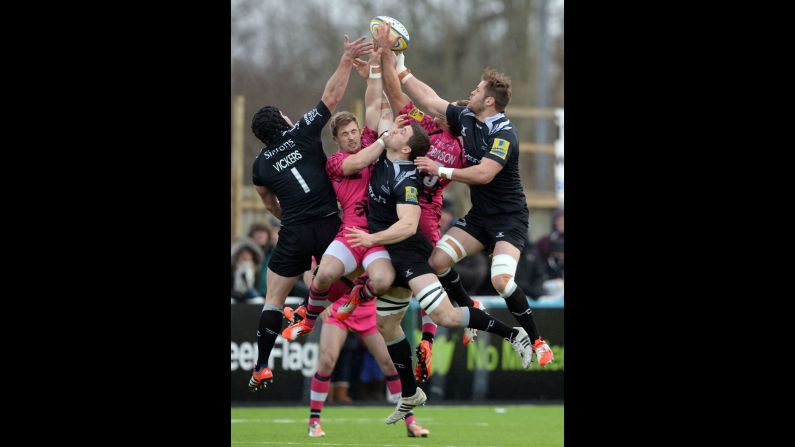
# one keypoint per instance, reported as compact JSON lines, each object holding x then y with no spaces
{"x":380,"y":254}
{"x":431,"y":297}
{"x":390,"y":305}
{"x":451,"y":246}
{"x":341,"y":252}
{"x":504,"y":265}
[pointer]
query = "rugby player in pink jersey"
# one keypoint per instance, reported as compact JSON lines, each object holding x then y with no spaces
{"x":333,"y":334}
{"x":349,"y":170}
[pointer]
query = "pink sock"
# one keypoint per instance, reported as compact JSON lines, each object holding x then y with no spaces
{"x":428,"y":325}
{"x":338,"y":290}
{"x":393,"y":384}
{"x":317,"y":396}
{"x":318,"y":301}
{"x":410,"y":419}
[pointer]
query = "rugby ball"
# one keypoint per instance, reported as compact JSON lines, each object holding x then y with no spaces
{"x":398,"y":31}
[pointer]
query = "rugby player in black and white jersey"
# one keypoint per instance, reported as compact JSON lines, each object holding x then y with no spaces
{"x":393,"y":220}
{"x":499,"y":218}
{"x":290,"y":176}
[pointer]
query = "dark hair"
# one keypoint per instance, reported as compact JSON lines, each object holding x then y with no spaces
{"x":341,"y":119}
{"x":461,"y":102}
{"x":498,"y":86}
{"x":268,"y":124}
{"x":255,"y":227}
{"x":419,"y":141}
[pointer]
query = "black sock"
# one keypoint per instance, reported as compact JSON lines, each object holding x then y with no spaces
{"x":484,"y":322}
{"x":517,"y":304}
{"x":455,"y":290}
{"x":427,"y":336}
{"x":270,"y":323}
{"x":401,"y":357}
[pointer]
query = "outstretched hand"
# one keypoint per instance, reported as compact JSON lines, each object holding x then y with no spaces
{"x":400,"y":121}
{"x":382,"y":36}
{"x":425,"y":164}
{"x":363,"y":67}
{"x":357,"y":48}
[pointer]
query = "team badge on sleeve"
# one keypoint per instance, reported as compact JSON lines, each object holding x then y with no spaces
{"x":417,"y":114}
{"x":500,"y":148}
{"x":411,"y":195}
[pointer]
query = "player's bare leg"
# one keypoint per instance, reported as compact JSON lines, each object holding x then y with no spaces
{"x":379,"y":278}
{"x":503,"y":269}
{"x":329,"y":270}
{"x":432,"y":298}
{"x":455,"y":245}
{"x":331,"y":340}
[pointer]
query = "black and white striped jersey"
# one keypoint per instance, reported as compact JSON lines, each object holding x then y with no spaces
{"x":392,"y":183}
{"x":294,"y":168}
{"x":496,"y":139}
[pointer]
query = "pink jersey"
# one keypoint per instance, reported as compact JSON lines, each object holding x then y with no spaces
{"x":446,"y":150}
{"x":351,"y":190}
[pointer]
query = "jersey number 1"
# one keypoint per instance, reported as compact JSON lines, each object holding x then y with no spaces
{"x":300,"y":179}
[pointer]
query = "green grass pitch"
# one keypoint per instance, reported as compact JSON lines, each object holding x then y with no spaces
{"x":450,"y":426}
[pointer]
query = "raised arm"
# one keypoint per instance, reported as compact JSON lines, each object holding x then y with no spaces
{"x":373,"y":96}
{"x":270,"y":200}
{"x":424,"y":96}
{"x":394,"y":93}
{"x":336,"y":85}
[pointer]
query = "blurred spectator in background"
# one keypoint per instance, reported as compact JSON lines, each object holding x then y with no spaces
{"x":246,"y":263}
{"x":265,"y":236}
{"x":531,"y":271}
{"x":551,"y":247}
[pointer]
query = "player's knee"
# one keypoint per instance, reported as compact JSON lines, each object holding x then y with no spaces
{"x":503,"y":269}
{"x":446,"y":318}
{"x":440,"y":261}
{"x":500,"y":282}
{"x":324,"y":277}
{"x":381,"y":284}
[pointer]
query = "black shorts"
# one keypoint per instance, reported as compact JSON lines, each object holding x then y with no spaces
{"x":298,"y":243}
{"x":490,"y":230}
{"x":410,"y":258}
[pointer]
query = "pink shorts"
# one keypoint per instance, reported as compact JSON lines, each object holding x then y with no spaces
{"x":352,"y":257}
{"x":362,"y":320}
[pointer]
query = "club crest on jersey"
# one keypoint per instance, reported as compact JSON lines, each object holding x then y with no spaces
{"x":416,"y":114}
{"x":500,"y":148}
{"x":411,"y":194}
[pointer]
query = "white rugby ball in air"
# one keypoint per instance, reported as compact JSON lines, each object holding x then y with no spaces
{"x":398,"y":31}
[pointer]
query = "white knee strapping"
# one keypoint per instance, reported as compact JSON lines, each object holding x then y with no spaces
{"x":504,"y":265}
{"x":431,"y":296}
{"x":446,"y":244}
{"x":389,"y":305}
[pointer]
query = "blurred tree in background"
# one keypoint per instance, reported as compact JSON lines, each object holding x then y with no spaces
{"x":282,"y":53}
